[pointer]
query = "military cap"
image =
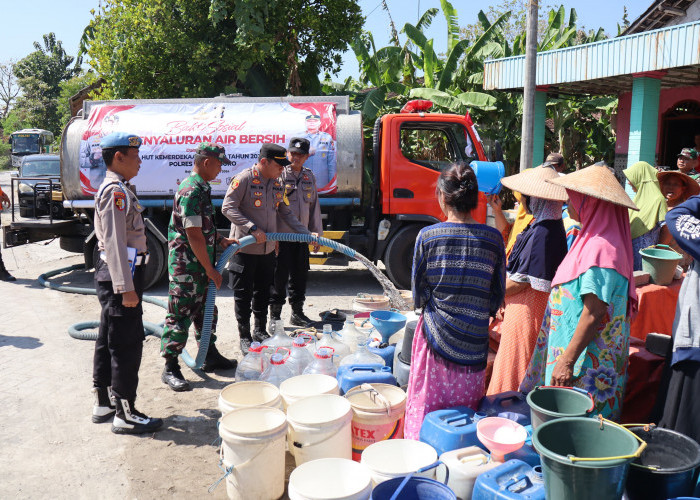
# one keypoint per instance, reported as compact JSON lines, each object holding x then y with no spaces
{"x":299,"y":145}
{"x":120,"y":140}
{"x":214,"y":151}
{"x":274,"y":152}
{"x":313,"y":116}
{"x":689,"y":153}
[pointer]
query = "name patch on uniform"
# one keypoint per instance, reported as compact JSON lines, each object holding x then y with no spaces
{"x":235,"y":183}
{"x":120,"y":200}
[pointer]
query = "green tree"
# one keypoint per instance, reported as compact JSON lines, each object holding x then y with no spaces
{"x":69,"y":88}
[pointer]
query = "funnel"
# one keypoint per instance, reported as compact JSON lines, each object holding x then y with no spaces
{"x":501,"y":436}
{"x":387,"y":323}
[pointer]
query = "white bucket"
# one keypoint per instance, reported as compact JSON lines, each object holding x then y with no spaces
{"x":253,"y":443}
{"x":330,"y":478}
{"x":464,"y":464}
{"x":302,"y":386}
{"x":378,"y":414}
{"x":398,"y":457}
{"x":248,"y":394}
{"x":319,"y":427}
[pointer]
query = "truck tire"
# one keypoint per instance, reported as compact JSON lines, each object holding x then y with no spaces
{"x":398,"y":256}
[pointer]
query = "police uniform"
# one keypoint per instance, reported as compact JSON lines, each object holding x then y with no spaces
{"x":118,"y":348}
{"x":253,"y":202}
{"x":322,"y":161}
{"x":292,"y":263}
{"x":4,"y":275}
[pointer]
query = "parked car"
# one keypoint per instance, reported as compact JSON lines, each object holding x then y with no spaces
{"x":39,"y":188}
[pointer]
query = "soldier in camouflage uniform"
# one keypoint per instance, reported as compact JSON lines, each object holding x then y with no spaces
{"x":192,"y":238}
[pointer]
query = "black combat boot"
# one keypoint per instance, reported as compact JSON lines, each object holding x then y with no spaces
{"x":128,"y":420}
{"x":259,"y":333}
{"x":244,"y":336}
{"x":275,"y":311}
{"x":298,"y":317}
{"x":216,"y":361}
{"x":172,"y":376}
{"x":4,"y":275}
{"x":104,"y":406}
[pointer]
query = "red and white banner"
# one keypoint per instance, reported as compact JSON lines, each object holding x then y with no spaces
{"x":171,"y":133}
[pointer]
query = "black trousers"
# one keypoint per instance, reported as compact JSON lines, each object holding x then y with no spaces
{"x":251,"y":277}
{"x":120,"y":338}
{"x":291,"y":272}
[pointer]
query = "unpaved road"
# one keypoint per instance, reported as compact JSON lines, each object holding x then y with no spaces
{"x":50,"y":447}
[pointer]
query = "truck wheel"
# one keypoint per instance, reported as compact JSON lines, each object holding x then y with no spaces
{"x":156,"y":269}
{"x":398,"y":257}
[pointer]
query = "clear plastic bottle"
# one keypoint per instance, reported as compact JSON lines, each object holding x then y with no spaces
{"x":322,"y":363}
{"x":351,"y":335}
{"x":363,"y":356}
{"x":253,"y":364}
{"x":278,"y":371}
{"x":329,"y":340}
{"x":279,"y":339}
{"x":300,"y":357}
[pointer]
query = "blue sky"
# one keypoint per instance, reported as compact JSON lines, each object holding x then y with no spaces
{"x":68,"y":18}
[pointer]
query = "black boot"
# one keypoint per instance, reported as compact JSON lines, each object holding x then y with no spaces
{"x":128,"y":420}
{"x":172,"y":376}
{"x":298,"y":317}
{"x":244,"y":336}
{"x":259,"y":333}
{"x":275,"y":311}
{"x":4,"y":275}
{"x":215,"y":361}
{"x":104,"y":406}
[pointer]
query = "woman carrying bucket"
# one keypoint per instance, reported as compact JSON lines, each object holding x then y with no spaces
{"x":537,"y":253}
{"x":584,"y":338}
{"x":459,"y":282}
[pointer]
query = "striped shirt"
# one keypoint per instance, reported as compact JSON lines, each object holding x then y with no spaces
{"x":459,"y":280}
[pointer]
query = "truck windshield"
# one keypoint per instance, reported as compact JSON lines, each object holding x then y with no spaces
{"x":25,"y":143}
{"x":41,"y":167}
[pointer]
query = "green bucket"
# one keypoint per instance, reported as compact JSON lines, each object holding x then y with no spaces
{"x":585,"y":458}
{"x":551,"y":402}
{"x":660,"y":262}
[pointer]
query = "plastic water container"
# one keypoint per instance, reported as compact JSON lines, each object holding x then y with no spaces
{"x":322,"y":363}
{"x":277,"y":372}
{"x":511,"y":480}
{"x":303,"y":386}
{"x":505,"y":405}
{"x":451,"y":429}
{"x":350,"y":335}
{"x":488,"y":175}
{"x":247,"y":394}
{"x":350,"y":376}
{"x":329,"y":339}
{"x":401,"y":368}
{"x":387,"y":354}
{"x":362,"y":356}
{"x":527,"y":453}
{"x":326,"y":478}
{"x":279,"y":339}
{"x":464,"y":466}
{"x":253,"y":364}
{"x":398,"y":457}
{"x":300,"y":357}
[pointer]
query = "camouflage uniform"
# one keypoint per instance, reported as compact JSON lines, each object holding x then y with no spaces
{"x":188,"y":281}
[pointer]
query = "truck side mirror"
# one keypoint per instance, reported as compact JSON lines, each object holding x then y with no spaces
{"x":498,"y":153}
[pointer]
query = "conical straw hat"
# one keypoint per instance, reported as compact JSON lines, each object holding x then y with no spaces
{"x":691,"y":185}
{"x":531,"y":182}
{"x":596,"y":181}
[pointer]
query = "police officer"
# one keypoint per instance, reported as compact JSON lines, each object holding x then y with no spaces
{"x":192,"y":239}
{"x":322,"y":155}
{"x":4,"y":274}
{"x":119,"y":276}
{"x":252,"y":203}
{"x":292,"y":265}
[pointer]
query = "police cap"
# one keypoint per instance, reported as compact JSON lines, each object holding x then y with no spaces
{"x":120,"y":140}
{"x":274,"y":152}
{"x":214,"y":151}
{"x":299,"y":145}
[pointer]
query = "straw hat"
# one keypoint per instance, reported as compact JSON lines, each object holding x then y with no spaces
{"x":596,"y":181}
{"x":531,"y":182}
{"x":692,"y":188}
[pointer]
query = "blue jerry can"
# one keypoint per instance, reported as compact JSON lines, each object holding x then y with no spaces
{"x":387,"y":353}
{"x":451,"y":429}
{"x":527,"y":453}
{"x":512,"y":480}
{"x":512,"y":405}
{"x":350,"y":376}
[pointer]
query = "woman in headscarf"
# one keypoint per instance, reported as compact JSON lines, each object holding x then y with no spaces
{"x":646,"y":223}
{"x":459,"y":282}
{"x":584,"y":337}
{"x":536,"y":255}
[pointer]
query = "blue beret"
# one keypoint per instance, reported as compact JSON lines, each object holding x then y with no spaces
{"x":120,"y":140}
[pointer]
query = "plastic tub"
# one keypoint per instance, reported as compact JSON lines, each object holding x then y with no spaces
{"x":330,"y":478}
{"x":302,"y":386}
{"x":549,"y":403}
{"x":248,"y":394}
{"x":398,"y":457}
{"x":660,"y":262}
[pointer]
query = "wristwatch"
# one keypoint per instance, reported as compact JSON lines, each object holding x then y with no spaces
{"x":252,"y":229}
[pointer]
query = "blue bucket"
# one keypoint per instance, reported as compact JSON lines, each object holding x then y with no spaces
{"x":489,"y":175}
{"x":414,"y":488}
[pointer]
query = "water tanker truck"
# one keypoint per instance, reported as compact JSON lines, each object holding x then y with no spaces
{"x":375,"y":203}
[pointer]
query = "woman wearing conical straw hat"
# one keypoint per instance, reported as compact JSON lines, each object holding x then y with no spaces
{"x":584,"y":337}
{"x":536,"y":255}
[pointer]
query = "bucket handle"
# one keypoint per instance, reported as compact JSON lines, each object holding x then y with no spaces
{"x":647,"y":428}
{"x":228,"y":470}
{"x":405,"y":481}
{"x":602,"y":420}
{"x":578,"y":389}
{"x":375,"y":395}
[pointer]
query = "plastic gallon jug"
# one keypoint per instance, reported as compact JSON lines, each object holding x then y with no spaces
{"x":279,"y":339}
{"x":277,"y":372}
{"x":451,"y":429}
{"x":505,"y":403}
{"x":300,"y":357}
{"x":511,"y":480}
{"x":322,"y":363}
{"x":330,"y":478}
{"x":350,"y":376}
{"x":362,"y":356}
{"x":329,"y":339}
{"x":302,"y":386}
{"x":247,"y":394}
{"x":319,"y":427}
{"x":350,"y":335}
{"x":253,"y":441}
{"x":378,"y":415}
{"x":464,"y":466}
{"x":398,"y":457}
{"x":253,"y":364}
{"x":386,"y":353}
